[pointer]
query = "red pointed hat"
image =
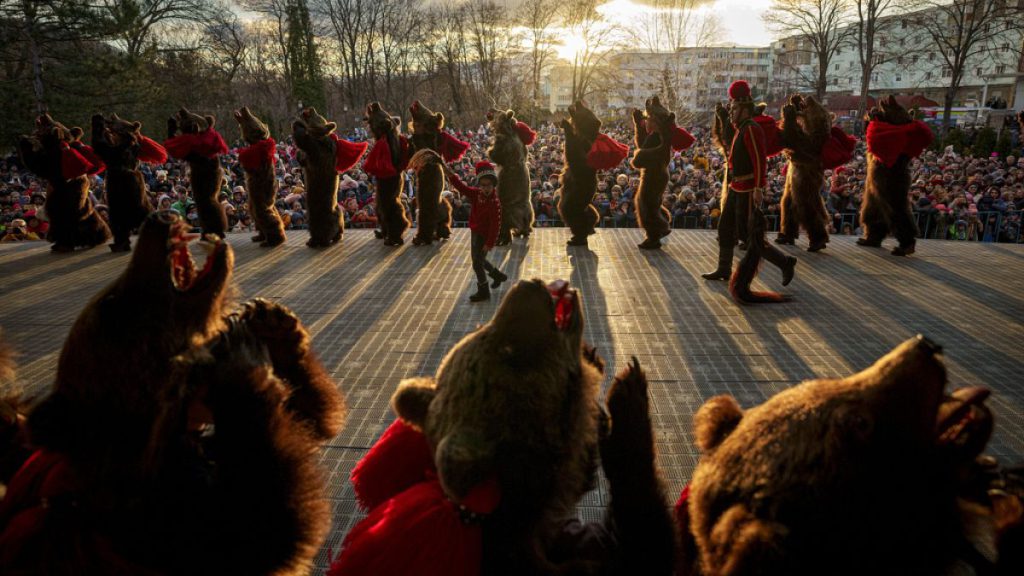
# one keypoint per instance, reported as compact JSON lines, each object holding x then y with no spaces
{"x":485,"y":169}
{"x":740,"y":90}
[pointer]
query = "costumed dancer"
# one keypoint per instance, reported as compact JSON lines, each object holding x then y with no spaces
{"x":434,"y":221}
{"x":201,"y":146}
{"x":742,"y":141}
{"x":484,"y":224}
{"x":258,"y":160}
{"x":511,"y":137}
{"x":386,"y":162}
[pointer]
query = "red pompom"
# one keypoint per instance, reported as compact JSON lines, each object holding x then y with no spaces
{"x":681,"y":139}
{"x":452,"y":149}
{"x":151,"y":152}
{"x":257,"y":155}
{"x":207,"y":144}
{"x":525,"y":133}
{"x":606,"y":153}
{"x":347,"y":154}
{"x":739,"y":90}
{"x":838,"y":149}
{"x":73,"y":164}
{"x":398,"y":460}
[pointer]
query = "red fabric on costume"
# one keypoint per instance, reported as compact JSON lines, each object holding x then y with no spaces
{"x":525,"y":133}
{"x":73,"y":164}
{"x":772,"y":138}
{"x":452,"y":149}
{"x":151,"y":152}
{"x":91,"y":156}
{"x":606,"y":153}
{"x":346,"y":154}
{"x":378,"y":162}
{"x":257,"y":155}
{"x":44,"y":476}
{"x":838,"y":149}
{"x":398,"y":460}
{"x":888,"y":142}
{"x":681,"y":139}
{"x":207,"y":144}
{"x":484,"y":212}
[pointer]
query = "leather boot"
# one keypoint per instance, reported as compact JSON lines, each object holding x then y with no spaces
{"x":482,"y":293}
{"x":785,"y":263}
{"x":724,"y":271}
{"x":498,"y":276}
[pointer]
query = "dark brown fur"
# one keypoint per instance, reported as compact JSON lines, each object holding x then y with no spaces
{"x":435,"y":213}
{"x":392,"y":219}
{"x":579,"y":180}
{"x":509,"y":153}
{"x":118,"y":143}
{"x":73,"y":221}
{"x":805,"y":129}
{"x":261,"y":184}
{"x":886,"y":205}
{"x":312,"y":136}
{"x":652,"y":156}
{"x":205,"y":174}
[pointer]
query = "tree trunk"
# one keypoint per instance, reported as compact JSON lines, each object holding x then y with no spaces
{"x":822,"y":78}
{"x":947,"y":109}
{"x":37,"y":66}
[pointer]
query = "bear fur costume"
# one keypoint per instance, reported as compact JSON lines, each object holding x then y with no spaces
{"x":48,"y":154}
{"x":860,"y":475}
{"x":199,"y":439}
{"x":205,"y":173}
{"x":652,"y":156}
{"x":806,"y":126}
{"x":579,"y":180}
{"x":14,"y":446}
{"x":535,"y":431}
{"x":886,"y":204}
{"x":510,"y":155}
{"x":258,"y":161}
{"x":119,"y":143}
{"x":434,"y":221}
{"x":386,"y":164}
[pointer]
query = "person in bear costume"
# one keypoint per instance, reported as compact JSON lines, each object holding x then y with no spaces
{"x":894,"y":139}
{"x":122,"y":147}
{"x":511,"y":137}
{"x":323,"y":155}
{"x":49,"y":154}
{"x":386,"y":161}
{"x":192,"y":138}
{"x":200,"y":438}
{"x":258,"y":159}
{"x":869,"y":474}
{"x":586,"y":151}
{"x":656,"y":136}
{"x":434,"y":221}
{"x":491,"y":456}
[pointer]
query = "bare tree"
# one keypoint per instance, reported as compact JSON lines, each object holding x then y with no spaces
{"x":820,"y":24}
{"x":538,"y":17}
{"x":595,"y":38}
{"x":133,"y":23}
{"x":492,"y":37}
{"x":872,"y":22}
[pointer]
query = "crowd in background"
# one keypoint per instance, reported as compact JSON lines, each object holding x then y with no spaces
{"x":953,"y":196}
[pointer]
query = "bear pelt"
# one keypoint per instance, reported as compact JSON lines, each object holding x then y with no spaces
{"x":434,"y":220}
{"x":391,"y":213}
{"x":509,"y":153}
{"x":516,"y":400}
{"x":312,"y":133}
{"x":205,"y":173}
{"x":579,"y":180}
{"x":118,"y":143}
{"x":859,"y":475}
{"x":653,"y":138}
{"x":73,"y":221}
{"x":886,"y":204}
{"x":180,"y":427}
{"x":805,"y":129}
{"x":260,"y":183}
{"x":14,"y":446}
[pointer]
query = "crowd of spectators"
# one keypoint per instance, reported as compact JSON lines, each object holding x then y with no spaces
{"x":954,"y":196}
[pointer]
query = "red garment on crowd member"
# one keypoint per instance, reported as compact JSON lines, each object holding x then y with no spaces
{"x":485,"y":211}
{"x":748,"y":166}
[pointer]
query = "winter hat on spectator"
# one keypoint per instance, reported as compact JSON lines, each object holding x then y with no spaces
{"x":485,"y":169}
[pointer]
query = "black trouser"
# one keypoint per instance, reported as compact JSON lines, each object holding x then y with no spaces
{"x":480,"y":264}
{"x":732,"y":224}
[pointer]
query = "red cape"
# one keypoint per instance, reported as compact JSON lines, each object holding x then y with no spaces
{"x":347,"y":154}
{"x":525,"y":133}
{"x":257,"y":155}
{"x":888,"y":142}
{"x":91,"y":156}
{"x":400,"y":459}
{"x":378,"y":162}
{"x":207,"y":144}
{"x":73,"y":164}
{"x":606,"y":153}
{"x":23,"y":511}
{"x":452,"y":149}
{"x":838,"y":149}
{"x":772,"y":136}
{"x":151,"y":152}
{"x":681,"y":139}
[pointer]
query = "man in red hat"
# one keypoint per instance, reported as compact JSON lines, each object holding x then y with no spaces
{"x":484,"y":223}
{"x":743,"y":143}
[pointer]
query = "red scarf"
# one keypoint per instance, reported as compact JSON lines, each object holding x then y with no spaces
{"x":838,"y":149}
{"x":151,"y":152}
{"x":525,"y":133}
{"x":378,"y":162}
{"x":91,"y":156}
{"x":73,"y":164}
{"x":772,"y":140}
{"x":452,"y":149}
{"x":207,"y":144}
{"x":257,"y":155}
{"x":606,"y":153}
{"x":346,"y":154}
{"x":681,"y":139}
{"x":888,"y":142}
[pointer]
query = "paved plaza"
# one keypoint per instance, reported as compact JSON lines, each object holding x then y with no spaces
{"x":379,"y":314}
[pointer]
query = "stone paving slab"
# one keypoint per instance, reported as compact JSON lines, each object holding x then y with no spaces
{"x":378,"y":315}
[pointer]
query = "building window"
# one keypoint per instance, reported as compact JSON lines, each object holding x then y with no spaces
{"x":928,"y":76}
{"x":947,"y":72}
{"x":1001,"y":69}
{"x":899,"y":78}
{"x":837,"y":66}
{"x":931,"y":56}
{"x":980,"y":72}
{"x":903,"y":24}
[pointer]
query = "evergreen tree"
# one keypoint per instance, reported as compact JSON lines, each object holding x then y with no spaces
{"x":306,"y":80}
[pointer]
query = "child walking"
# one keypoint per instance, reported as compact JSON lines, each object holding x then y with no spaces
{"x":484,"y":223}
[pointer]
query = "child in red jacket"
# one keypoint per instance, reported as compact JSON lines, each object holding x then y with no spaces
{"x":484,"y":222}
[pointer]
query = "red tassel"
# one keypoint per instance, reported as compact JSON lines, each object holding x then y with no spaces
{"x":91,"y":156}
{"x":151,"y":152}
{"x":207,"y":144}
{"x":838,"y":149}
{"x":347,"y":154}
{"x":378,"y":161}
{"x":888,"y":142}
{"x":452,"y":149}
{"x":525,"y":133}
{"x":606,"y":153}
{"x":398,"y":460}
{"x":257,"y":155}
{"x":681,"y":139}
{"x":772,"y":138}
{"x":73,"y":164}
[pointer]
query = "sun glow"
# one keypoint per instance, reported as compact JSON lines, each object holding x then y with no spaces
{"x":571,"y":46}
